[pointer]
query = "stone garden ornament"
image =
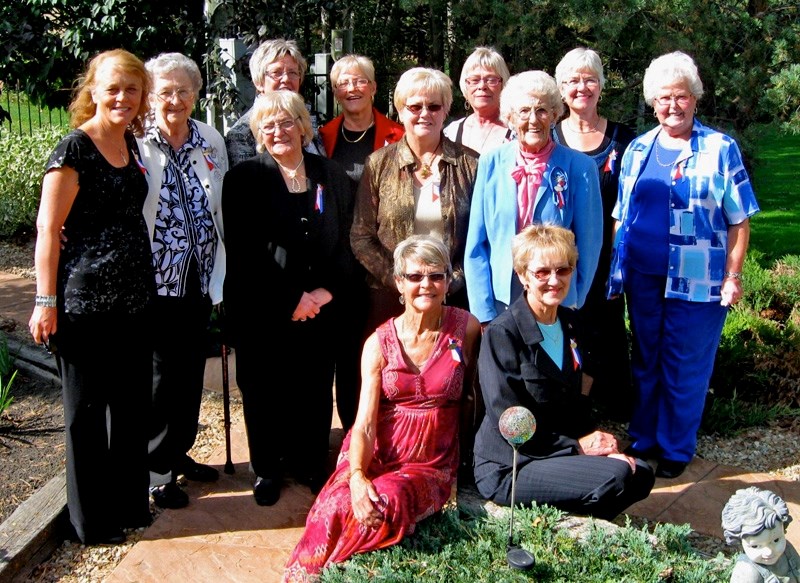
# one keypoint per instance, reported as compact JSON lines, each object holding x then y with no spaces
{"x":758,"y":519}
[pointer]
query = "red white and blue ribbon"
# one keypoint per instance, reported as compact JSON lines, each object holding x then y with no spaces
{"x":319,"y":202}
{"x":576,"y":356}
{"x":454,"y":346}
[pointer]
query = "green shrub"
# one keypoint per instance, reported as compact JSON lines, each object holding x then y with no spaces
{"x":758,"y":360}
{"x":22,"y":162}
{"x":462,"y":548}
{"x":6,"y":363}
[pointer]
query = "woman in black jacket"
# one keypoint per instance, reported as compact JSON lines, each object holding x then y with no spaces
{"x":286,"y":223}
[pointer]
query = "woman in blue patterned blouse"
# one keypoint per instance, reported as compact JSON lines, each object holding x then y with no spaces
{"x":682,"y":232}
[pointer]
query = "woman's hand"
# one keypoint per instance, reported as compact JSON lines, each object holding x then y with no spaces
{"x":599,"y":443}
{"x":311,"y":303}
{"x":43,"y":323}
{"x":365,"y":501}
{"x":731,"y":291}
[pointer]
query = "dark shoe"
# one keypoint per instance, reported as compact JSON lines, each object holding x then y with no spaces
{"x":267,"y":491}
{"x":314,"y":482}
{"x":670,"y":469}
{"x":169,"y":496}
{"x":112,"y":537}
{"x":198,"y":472}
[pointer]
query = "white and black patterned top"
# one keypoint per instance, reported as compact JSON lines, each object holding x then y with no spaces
{"x":184,"y":230}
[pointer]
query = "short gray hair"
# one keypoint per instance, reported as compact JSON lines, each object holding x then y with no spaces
{"x":347,"y":62}
{"x":426,"y":249}
{"x":272,"y":102}
{"x":487,"y":58}
{"x":270,"y":51}
{"x":669,"y":69}
{"x":528,"y":84}
{"x":166,"y":63}
{"x":423,"y":80}
{"x":580,"y":59}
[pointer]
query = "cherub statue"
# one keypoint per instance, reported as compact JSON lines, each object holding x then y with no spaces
{"x":758,"y":519}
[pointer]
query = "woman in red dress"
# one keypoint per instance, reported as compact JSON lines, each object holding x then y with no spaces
{"x":399,"y":461}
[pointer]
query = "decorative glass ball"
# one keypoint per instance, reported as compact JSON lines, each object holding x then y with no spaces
{"x":517,"y":425}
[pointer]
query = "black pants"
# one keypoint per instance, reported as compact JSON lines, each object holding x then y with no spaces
{"x":179,"y":361}
{"x":105,"y":364}
{"x":583,"y":484}
{"x":287,"y":396}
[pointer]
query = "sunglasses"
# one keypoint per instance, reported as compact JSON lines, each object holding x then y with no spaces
{"x":418,"y":277}
{"x":417,"y":108}
{"x":544,"y":274}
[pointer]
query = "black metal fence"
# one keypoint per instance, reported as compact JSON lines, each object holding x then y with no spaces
{"x":18,"y":116}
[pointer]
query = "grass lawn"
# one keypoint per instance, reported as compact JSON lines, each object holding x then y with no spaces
{"x":775,"y":231}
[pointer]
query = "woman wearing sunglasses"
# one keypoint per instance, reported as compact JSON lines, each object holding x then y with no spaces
{"x":530,"y":180}
{"x":531,"y":357}
{"x":286,"y":219}
{"x":482,"y":78}
{"x":421,"y":184}
{"x":399,"y":462}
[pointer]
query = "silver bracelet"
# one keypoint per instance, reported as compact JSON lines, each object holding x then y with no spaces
{"x":733,"y":275}
{"x":46,"y":301}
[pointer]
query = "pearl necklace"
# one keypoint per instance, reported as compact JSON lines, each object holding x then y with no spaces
{"x":591,"y":131}
{"x":291,"y":174}
{"x":361,"y":137}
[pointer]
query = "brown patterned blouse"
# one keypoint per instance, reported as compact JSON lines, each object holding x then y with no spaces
{"x":384,"y":211}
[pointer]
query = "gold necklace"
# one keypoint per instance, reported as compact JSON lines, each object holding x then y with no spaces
{"x":122,"y":155}
{"x":591,"y":131}
{"x":361,"y":137}
{"x":294,"y":187}
{"x":425,"y":167}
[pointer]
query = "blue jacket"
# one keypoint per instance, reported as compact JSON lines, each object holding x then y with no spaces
{"x":709,"y":191}
{"x":488,"y":264}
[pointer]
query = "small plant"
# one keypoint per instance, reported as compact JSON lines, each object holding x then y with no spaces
{"x":6,"y":363}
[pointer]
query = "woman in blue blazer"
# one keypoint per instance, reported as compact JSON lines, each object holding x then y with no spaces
{"x":530,"y":180}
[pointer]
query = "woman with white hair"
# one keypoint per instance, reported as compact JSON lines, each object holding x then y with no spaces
{"x":275,"y":65}
{"x":682,"y":228}
{"x":286,"y":223}
{"x":482,"y":79}
{"x":530,"y":180}
{"x":580,"y":79}
{"x":420,"y":185}
{"x":185,"y":161}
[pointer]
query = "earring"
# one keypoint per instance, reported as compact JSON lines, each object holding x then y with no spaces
{"x":403,"y":300}
{"x":466,"y":106}
{"x":655,"y":114}
{"x":600,"y":98}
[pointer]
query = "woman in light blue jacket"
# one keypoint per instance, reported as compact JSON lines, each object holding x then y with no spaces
{"x":530,"y":180}
{"x":184,"y":161}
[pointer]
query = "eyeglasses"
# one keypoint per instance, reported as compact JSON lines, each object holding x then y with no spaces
{"x":417,"y":108}
{"x":490,"y":81}
{"x":271,"y":128}
{"x":545,"y":274}
{"x":279,"y":74}
{"x":356,"y":83}
{"x":680,"y":100}
{"x":182,"y":94}
{"x":587,"y":81}
{"x":418,"y":277}
{"x":524,"y":113}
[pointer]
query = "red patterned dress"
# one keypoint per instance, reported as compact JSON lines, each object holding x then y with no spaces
{"x":415,"y":461}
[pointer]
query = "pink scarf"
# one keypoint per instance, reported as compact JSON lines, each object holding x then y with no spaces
{"x":528,"y":176}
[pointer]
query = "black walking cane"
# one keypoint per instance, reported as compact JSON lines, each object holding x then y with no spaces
{"x":226,"y":394}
